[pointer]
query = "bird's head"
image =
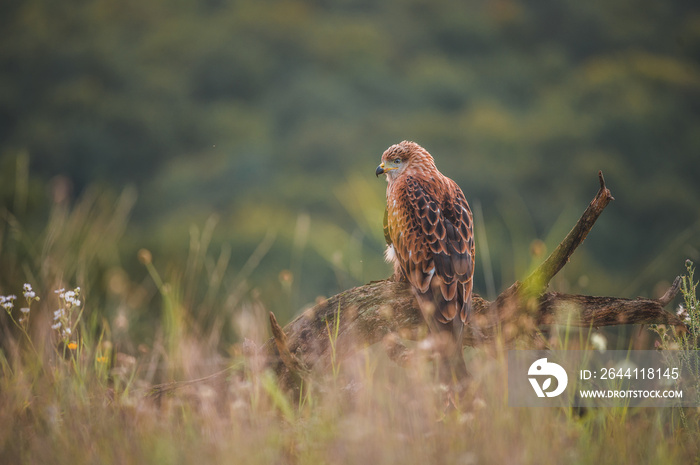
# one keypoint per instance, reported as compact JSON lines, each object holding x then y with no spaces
{"x":405,"y":158}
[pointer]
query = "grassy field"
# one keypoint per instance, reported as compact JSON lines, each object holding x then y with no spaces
{"x":78,"y":386}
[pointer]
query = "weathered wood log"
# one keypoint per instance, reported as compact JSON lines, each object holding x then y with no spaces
{"x":370,"y":313}
{"x":387,"y":311}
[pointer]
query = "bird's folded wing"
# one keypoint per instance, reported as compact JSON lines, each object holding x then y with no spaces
{"x":436,"y":245}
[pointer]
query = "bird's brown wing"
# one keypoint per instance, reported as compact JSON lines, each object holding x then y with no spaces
{"x":387,"y":236}
{"x":435,"y":244}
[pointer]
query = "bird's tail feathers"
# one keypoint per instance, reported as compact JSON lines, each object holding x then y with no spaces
{"x":433,"y":308}
{"x":466,"y":312}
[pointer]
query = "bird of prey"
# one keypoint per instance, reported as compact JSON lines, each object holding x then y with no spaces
{"x":428,"y":228}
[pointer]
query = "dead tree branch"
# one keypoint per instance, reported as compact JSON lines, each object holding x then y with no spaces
{"x":538,"y":281}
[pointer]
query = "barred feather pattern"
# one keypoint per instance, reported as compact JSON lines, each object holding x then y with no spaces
{"x":429,"y":226}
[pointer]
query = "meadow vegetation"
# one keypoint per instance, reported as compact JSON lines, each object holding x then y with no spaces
{"x":75,"y":388}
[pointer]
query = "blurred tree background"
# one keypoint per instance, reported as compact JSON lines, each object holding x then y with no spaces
{"x":259,"y":124}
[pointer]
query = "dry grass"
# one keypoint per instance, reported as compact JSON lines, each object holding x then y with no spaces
{"x":73,"y":410}
{"x":96,"y":403}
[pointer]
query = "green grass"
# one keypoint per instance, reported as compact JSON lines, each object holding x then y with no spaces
{"x":96,"y":395}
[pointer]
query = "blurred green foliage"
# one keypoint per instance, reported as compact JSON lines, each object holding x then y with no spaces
{"x":272,"y":115}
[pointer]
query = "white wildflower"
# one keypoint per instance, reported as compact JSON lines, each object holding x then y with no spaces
{"x":682,"y":313}
{"x":599,"y":342}
{"x":71,"y":297}
{"x":7,"y":302}
{"x":66,"y":332}
{"x":56,"y":326}
{"x":29,"y":293}
{"x":24,"y":310}
{"x":58,"y":314}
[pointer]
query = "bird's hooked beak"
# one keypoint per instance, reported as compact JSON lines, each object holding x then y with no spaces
{"x":383,"y":169}
{"x":380,"y":170}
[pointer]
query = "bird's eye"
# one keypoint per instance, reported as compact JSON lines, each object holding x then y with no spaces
{"x":397,"y":161}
